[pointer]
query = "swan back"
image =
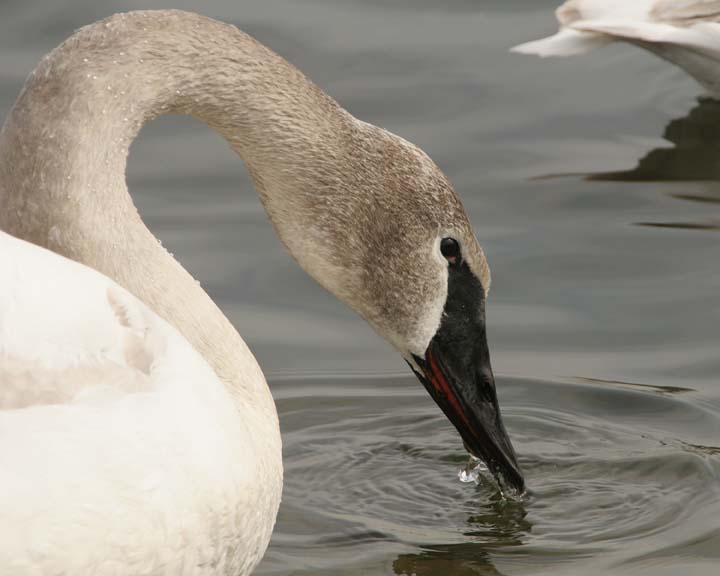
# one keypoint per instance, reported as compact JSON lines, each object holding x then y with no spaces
{"x":114,"y":432}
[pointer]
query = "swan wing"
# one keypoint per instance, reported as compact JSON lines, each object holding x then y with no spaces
{"x":567,"y":42}
{"x":703,"y":37}
{"x":686,"y":12}
{"x":576,"y":35}
{"x":587,"y":24}
{"x":120,"y":451}
{"x":684,"y":32}
{"x":67,"y":332}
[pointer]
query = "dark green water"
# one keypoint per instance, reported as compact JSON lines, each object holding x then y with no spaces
{"x":594,"y":185}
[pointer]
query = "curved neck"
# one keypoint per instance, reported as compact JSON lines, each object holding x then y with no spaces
{"x":64,"y":148}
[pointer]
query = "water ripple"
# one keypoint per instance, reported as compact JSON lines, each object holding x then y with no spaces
{"x":371,"y":473}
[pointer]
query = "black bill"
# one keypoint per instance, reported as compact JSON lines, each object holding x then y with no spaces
{"x":456,"y":372}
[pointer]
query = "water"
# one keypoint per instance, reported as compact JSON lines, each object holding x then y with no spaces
{"x":593,"y":184}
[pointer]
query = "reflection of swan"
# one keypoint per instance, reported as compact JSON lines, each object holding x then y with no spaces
{"x":461,"y":559}
{"x":499,"y":524}
{"x":693,"y":154}
{"x":691,"y":157}
{"x":120,"y":450}
{"x":684,"y":33}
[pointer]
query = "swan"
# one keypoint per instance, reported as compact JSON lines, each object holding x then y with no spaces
{"x":137,"y":432}
{"x":684,"y":32}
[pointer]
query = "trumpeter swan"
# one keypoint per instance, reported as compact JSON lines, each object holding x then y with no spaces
{"x":123,"y":451}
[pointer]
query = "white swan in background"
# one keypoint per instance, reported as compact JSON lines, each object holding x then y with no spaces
{"x":137,"y":432}
{"x":684,"y":32}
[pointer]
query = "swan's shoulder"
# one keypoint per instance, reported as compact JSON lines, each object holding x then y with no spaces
{"x":118,"y":444}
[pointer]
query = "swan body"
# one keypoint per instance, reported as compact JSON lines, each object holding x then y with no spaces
{"x":137,"y":432}
{"x":106,"y":411}
{"x":684,"y":32}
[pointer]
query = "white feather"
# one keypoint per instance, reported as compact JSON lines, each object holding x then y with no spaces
{"x":114,"y":432}
{"x":686,"y":33}
{"x":567,"y":42}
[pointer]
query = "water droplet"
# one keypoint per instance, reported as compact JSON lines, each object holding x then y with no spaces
{"x":86,"y":60}
{"x":472,"y":471}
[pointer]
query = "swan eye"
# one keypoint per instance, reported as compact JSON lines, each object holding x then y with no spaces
{"x":450,"y":249}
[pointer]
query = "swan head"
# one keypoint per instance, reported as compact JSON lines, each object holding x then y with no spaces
{"x":381,"y":227}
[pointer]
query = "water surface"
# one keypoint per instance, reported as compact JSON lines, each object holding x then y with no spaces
{"x":593,"y":186}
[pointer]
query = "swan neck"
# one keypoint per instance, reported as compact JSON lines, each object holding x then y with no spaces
{"x":64,"y":147}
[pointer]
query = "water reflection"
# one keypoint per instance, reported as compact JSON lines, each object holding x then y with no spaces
{"x":499,"y":524}
{"x":694,"y":155}
{"x":615,"y":469}
{"x":711,"y":196}
{"x":657,"y":389}
{"x":456,"y":559}
{"x":711,"y":225}
{"x":701,"y":449}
